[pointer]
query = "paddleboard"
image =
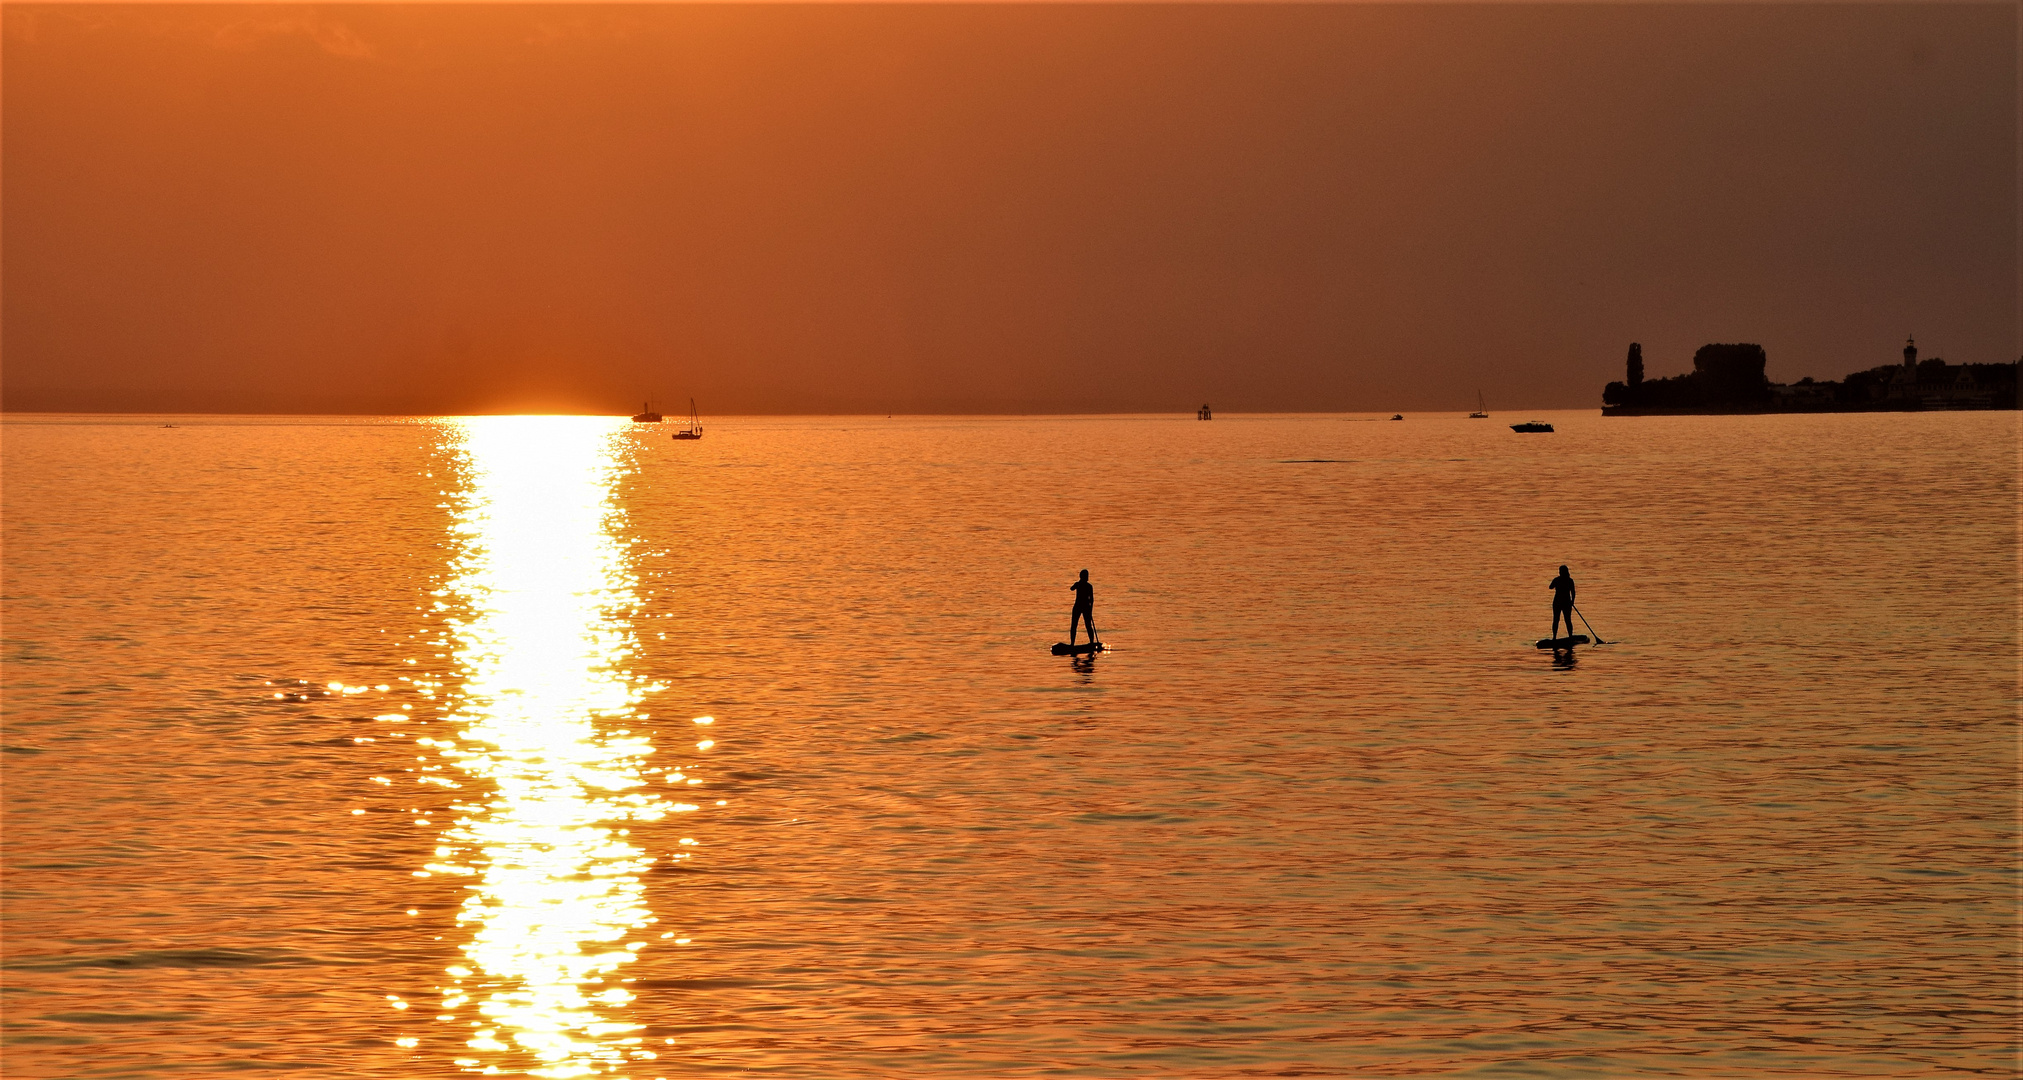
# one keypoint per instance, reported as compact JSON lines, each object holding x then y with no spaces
{"x":1062,"y":648}
{"x":1562,"y":642}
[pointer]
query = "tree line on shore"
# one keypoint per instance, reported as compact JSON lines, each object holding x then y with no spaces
{"x":1730,"y":378}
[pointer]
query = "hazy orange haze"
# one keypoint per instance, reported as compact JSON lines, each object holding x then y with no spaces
{"x":989,"y":207}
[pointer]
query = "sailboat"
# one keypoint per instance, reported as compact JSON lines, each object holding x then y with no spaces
{"x":1481,"y":410}
{"x":646,"y":414}
{"x":694,"y":428}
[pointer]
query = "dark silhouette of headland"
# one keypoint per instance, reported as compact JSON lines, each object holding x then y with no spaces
{"x":1730,"y":379}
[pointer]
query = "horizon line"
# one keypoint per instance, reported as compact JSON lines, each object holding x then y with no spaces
{"x":7,"y":414}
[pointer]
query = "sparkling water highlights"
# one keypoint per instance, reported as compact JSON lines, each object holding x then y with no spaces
{"x":556,"y":912}
{"x":1324,"y":811}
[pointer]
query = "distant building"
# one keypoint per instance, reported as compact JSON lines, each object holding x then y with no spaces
{"x":1803,"y":395}
{"x":1204,"y":414}
{"x":1729,"y":378}
{"x":1935,"y":384}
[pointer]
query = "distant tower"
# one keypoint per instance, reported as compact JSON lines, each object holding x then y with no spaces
{"x":1910,"y":352}
{"x":1636,"y":364}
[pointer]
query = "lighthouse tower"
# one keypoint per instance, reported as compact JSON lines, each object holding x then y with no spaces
{"x":1910,"y":352}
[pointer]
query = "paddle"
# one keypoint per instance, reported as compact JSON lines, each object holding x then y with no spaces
{"x":1590,"y":627}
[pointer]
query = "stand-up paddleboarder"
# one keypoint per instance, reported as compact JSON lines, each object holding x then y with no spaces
{"x":1562,"y":602}
{"x":1085,"y":608}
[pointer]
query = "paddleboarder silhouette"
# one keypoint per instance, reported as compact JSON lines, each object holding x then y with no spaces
{"x":1085,"y":608}
{"x":1562,"y":602}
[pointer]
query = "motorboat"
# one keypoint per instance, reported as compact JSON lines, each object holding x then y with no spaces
{"x":1531,"y":425}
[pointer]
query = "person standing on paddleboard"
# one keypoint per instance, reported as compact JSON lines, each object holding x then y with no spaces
{"x":1085,"y":609}
{"x":1562,"y":602}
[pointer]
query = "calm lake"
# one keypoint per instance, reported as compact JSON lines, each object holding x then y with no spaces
{"x":377,"y":747}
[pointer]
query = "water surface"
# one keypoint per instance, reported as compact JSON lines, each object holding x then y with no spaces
{"x":412,"y":748}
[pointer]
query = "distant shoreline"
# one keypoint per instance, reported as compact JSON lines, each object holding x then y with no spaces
{"x":1729,"y":380}
{"x":1765,"y":410}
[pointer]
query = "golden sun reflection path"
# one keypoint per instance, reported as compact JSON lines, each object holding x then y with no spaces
{"x":556,"y":909}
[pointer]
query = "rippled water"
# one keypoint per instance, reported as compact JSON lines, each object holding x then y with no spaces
{"x":551,"y":746}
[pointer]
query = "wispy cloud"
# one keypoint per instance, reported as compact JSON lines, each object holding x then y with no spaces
{"x":227,"y":26}
{"x":250,"y":31}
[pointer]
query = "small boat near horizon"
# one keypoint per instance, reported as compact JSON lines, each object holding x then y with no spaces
{"x":1481,"y":410}
{"x":646,"y":415}
{"x":694,"y":428}
{"x":1531,"y":425}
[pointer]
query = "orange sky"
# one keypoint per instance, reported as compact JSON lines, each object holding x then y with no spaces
{"x":988,"y":208}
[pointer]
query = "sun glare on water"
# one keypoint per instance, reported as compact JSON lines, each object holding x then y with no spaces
{"x":556,"y":911}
